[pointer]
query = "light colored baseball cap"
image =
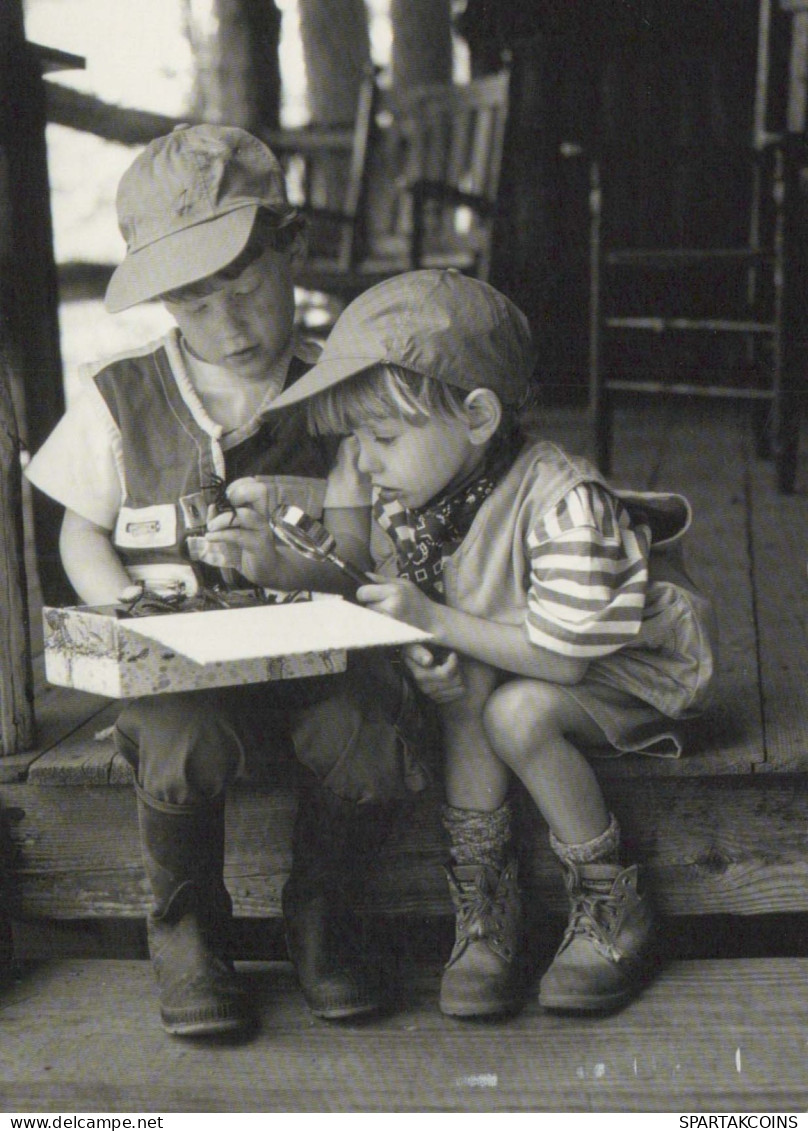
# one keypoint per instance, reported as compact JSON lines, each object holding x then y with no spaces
{"x":186,"y":207}
{"x":439,"y":323}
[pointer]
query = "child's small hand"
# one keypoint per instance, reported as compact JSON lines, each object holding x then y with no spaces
{"x":441,"y":680}
{"x":397,"y":597}
{"x":242,"y":537}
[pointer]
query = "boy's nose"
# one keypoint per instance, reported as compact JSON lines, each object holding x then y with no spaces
{"x":365,"y":462}
{"x":233,"y":314}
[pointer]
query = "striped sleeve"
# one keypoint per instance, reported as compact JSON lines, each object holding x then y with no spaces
{"x":588,"y":575}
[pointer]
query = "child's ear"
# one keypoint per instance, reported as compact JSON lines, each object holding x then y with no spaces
{"x":484,"y":413}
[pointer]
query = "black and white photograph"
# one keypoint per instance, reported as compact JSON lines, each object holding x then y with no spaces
{"x":403,"y":561}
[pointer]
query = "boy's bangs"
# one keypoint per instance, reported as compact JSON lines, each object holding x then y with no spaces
{"x":375,"y":395}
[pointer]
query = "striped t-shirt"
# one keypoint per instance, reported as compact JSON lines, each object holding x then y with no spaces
{"x":588,"y":575}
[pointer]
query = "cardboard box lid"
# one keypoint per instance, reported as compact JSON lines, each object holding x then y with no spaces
{"x":225,"y":635}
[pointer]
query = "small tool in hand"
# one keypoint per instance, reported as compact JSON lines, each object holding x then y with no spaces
{"x":301,"y":532}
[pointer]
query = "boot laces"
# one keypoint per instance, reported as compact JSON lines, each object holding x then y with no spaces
{"x":595,"y":915}
{"x":479,"y":914}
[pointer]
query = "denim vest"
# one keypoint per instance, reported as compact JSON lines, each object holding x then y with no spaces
{"x":172,"y":455}
{"x":671,"y":661}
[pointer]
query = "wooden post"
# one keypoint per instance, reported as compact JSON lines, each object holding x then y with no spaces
{"x":237,"y":70}
{"x":16,"y":678}
{"x":422,"y":42}
{"x":29,"y":323}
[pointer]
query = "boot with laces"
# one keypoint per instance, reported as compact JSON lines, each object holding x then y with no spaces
{"x":483,"y":977}
{"x":605,"y":955}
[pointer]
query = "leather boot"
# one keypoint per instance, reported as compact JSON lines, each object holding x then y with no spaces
{"x":183,"y":855}
{"x":483,"y":977}
{"x":332,"y":845}
{"x":605,"y":955}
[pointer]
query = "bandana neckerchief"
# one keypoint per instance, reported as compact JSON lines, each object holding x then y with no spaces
{"x":424,"y":537}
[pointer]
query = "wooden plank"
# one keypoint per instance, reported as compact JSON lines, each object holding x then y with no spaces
{"x":729,"y":845}
{"x":16,"y":673}
{"x":86,"y":757}
{"x":60,"y":713}
{"x":85,"y":112}
{"x":779,"y":542}
{"x":30,"y":305}
{"x":717,"y":1036}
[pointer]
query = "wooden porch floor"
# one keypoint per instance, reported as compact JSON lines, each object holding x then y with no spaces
{"x":720,"y":1036}
{"x":722,"y":831}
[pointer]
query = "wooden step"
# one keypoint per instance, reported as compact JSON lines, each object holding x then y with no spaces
{"x":707,"y":1036}
{"x":733,"y":844}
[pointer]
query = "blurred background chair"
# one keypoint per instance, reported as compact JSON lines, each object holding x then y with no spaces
{"x":694,"y":250}
{"x":413,"y":183}
{"x":452,"y":140}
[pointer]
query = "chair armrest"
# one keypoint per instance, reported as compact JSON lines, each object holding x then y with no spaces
{"x":320,"y":212}
{"x":424,"y":190}
{"x":306,"y":139}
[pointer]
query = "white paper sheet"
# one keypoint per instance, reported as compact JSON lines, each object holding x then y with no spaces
{"x":275,"y":630}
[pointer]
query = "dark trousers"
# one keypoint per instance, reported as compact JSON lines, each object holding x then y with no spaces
{"x":357,"y":731}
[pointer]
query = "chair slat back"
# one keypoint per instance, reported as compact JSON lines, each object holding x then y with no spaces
{"x":454,"y":135}
{"x":326,"y":171}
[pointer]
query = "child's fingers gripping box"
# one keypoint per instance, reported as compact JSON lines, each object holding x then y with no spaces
{"x":95,"y":649}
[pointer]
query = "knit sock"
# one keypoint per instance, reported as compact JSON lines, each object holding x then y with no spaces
{"x":602,"y":849}
{"x":479,"y":837}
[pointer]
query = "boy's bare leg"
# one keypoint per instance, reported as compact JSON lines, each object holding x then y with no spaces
{"x":533,"y":727}
{"x":483,"y":975}
{"x":604,"y":957}
{"x":476,"y":778}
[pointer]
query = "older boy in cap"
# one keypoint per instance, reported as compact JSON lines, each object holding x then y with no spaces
{"x":136,"y":461}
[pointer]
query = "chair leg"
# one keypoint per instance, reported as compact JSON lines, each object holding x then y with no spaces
{"x":602,"y":424}
{"x":786,"y":449}
{"x":762,"y":429}
{"x":599,"y":402}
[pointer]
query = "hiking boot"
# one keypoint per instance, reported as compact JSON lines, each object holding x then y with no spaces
{"x":481,"y":978}
{"x":604,"y":957}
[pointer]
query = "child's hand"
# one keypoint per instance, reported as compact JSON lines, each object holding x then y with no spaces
{"x":397,"y":597}
{"x":242,"y":538}
{"x":442,"y":681}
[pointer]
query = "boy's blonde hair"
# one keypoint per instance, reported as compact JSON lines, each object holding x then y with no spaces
{"x":385,"y":392}
{"x":380,"y":393}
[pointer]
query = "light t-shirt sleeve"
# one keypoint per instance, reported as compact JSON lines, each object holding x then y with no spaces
{"x":588,"y":575}
{"x":346,"y":485}
{"x":79,"y":465}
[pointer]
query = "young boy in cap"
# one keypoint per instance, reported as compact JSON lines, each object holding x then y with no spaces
{"x":570,"y":619}
{"x":136,"y":461}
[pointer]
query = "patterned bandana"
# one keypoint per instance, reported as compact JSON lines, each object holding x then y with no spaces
{"x":424,"y":537}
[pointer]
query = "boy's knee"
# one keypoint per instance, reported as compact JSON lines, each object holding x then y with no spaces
{"x":521,"y":713}
{"x":180,"y":750}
